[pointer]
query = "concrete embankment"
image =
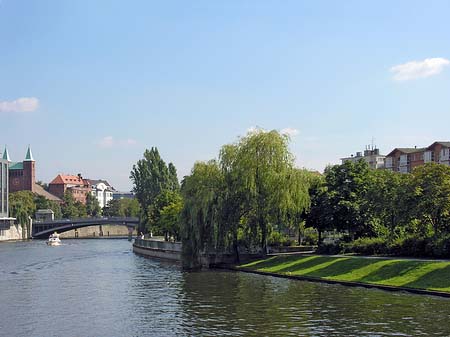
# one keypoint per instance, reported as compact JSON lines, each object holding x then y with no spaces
{"x":158,"y":249}
{"x":172,"y":251}
{"x":13,"y":232}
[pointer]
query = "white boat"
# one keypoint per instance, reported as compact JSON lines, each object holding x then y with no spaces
{"x":54,"y":240}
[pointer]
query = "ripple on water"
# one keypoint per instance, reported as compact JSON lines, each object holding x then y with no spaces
{"x":100,"y":288}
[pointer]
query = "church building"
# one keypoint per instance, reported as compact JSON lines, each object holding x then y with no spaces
{"x":22,"y":175}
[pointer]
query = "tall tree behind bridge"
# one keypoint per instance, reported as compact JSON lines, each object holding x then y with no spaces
{"x":150,"y":177}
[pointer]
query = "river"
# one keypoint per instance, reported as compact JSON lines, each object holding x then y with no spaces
{"x":101,"y":288}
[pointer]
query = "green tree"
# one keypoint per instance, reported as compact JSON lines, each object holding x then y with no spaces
{"x":130,"y":207}
{"x":431,"y":184}
{"x":43,"y":203}
{"x":232,"y":200}
{"x":81,"y":209}
{"x":164,"y":199}
{"x":151,"y":176}
{"x":321,"y":213}
{"x":347,"y":185}
{"x":264,"y":161}
{"x":122,"y":208}
{"x":22,"y":206}
{"x":298,"y":182}
{"x":56,"y":208}
{"x":113,"y":208}
{"x":200,"y":191}
{"x":92,"y":206}
{"x":169,"y":221}
{"x":69,"y":209}
{"x":388,"y":203}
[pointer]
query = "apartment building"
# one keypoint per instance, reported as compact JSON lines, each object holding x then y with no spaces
{"x":371,"y":156}
{"x":404,"y":160}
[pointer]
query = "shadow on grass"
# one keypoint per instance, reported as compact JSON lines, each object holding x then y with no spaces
{"x":438,"y":279}
{"x":395,"y":270}
{"x":311,"y":265}
{"x":344,"y":268}
{"x":272,"y":262}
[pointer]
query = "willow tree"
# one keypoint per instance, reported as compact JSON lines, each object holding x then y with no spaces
{"x":298,"y":200}
{"x":22,"y":206}
{"x":264,"y":163}
{"x":232,"y":200}
{"x":200,"y":191}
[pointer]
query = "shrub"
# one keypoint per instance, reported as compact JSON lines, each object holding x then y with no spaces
{"x":440,"y":247}
{"x":410,"y":246}
{"x":368,"y":246}
{"x":330,"y":248}
{"x":310,"y":237}
{"x":276,"y":239}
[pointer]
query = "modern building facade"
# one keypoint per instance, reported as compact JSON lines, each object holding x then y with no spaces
{"x":8,"y":230}
{"x":4,"y":186}
{"x":371,"y":156}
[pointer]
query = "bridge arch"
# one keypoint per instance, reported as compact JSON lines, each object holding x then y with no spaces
{"x":41,"y":230}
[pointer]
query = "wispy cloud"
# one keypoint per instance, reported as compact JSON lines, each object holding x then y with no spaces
{"x":109,"y":141}
{"x":419,"y":69}
{"x":289,"y":132}
{"x":128,"y":141}
{"x":106,"y":142}
{"x":23,"y":104}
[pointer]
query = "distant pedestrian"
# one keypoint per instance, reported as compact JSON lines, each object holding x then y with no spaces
{"x":142,"y":235}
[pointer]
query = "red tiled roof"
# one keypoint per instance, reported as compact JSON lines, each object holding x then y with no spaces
{"x":62,"y":179}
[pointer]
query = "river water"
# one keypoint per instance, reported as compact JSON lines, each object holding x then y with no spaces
{"x":101,"y":288}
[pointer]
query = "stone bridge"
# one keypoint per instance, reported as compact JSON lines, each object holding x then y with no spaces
{"x":42,"y":229}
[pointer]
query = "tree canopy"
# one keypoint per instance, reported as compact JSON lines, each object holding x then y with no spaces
{"x":152,"y":180}
{"x":250,"y":191}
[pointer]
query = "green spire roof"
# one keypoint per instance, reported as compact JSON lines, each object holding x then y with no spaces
{"x":29,"y":156}
{"x":6,"y":154}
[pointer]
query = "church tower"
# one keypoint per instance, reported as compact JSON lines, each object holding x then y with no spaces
{"x":29,"y":171}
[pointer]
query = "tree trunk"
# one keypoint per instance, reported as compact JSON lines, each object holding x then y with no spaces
{"x":262,"y":224}
{"x":236,"y":247}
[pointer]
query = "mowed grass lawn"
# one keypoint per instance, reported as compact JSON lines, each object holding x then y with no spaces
{"x":430,"y":275}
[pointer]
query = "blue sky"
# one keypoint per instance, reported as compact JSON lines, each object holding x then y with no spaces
{"x":90,"y":83}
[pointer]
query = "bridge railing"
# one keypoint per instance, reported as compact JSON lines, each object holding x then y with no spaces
{"x":158,"y":244}
{"x":93,"y":219}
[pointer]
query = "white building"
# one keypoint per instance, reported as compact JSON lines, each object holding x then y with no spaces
{"x":102,"y":190}
{"x":371,"y":156}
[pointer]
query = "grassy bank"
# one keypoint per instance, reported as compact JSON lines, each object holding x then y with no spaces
{"x":427,"y":275}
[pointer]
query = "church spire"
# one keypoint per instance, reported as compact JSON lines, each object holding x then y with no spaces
{"x":6,"y":154}
{"x":29,"y":156}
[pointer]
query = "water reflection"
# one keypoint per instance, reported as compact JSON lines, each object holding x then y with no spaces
{"x":100,"y":288}
{"x":224,"y":303}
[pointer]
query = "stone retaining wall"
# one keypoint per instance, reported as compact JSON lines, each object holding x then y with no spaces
{"x":172,"y":251}
{"x":96,"y":231}
{"x":159,"y":249}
